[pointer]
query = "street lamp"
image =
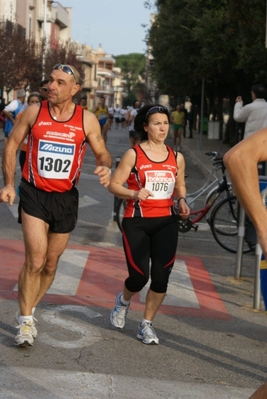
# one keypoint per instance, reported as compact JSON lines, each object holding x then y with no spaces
{"x":44,"y":40}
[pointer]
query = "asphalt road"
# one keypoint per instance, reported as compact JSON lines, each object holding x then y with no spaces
{"x":212,"y":342}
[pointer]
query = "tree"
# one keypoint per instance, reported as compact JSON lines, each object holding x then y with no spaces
{"x":133,"y":71}
{"x":221,"y":41}
{"x":15,"y":54}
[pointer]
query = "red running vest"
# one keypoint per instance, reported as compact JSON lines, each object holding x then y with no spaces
{"x":158,"y":177}
{"x":55,"y":151}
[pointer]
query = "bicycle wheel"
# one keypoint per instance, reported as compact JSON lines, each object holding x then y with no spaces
{"x":121,"y":204}
{"x":211,"y":196}
{"x":224,"y":224}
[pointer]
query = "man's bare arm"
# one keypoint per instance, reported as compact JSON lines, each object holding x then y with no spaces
{"x":242,"y":165}
{"x":9,"y":159}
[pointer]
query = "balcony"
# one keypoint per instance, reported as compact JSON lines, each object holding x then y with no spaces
{"x":60,"y":15}
{"x":55,"y":13}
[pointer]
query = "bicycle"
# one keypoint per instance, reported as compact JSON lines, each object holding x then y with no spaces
{"x":224,"y":226}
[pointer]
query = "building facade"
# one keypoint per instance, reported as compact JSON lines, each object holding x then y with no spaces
{"x":50,"y":21}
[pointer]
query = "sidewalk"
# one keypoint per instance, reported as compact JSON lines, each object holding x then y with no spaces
{"x":196,"y":148}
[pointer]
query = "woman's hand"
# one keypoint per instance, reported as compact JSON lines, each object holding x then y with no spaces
{"x":184,"y":210}
{"x":142,"y":194}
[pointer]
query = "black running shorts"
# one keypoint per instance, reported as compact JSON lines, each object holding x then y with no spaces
{"x":59,"y":210}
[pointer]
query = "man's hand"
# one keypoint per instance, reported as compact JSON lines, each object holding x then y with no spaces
{"x":104,"y":175}
{"x":8,"y":194}
{"x":238,"y":99}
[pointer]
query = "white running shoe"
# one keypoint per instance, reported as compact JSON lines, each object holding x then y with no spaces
{"x":24,"y":336}
{"x":34,"y":329}
{"x":147,"y":334}
{"x":119,"y":313}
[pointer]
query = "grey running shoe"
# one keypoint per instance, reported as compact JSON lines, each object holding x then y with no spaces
{"x":118,"y":314}
{"x":147,"y":334}
{"x":34,"y":329}
{"x":24,"y":336}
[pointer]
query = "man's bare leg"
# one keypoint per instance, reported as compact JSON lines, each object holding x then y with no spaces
{"x":56,"y":245}
{"x":41,"y":257}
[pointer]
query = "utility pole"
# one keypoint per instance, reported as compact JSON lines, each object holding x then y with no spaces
{"x":44,"y":40}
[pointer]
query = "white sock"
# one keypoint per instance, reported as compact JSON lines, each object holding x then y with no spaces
{"x":33,"y":310}
{"x":123,"y":301}
{"x":145,"y":321}
{"x":25,"y":318}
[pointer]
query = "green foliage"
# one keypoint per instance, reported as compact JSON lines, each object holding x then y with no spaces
{"x":133,"y":71}
{"x":222,"y":41}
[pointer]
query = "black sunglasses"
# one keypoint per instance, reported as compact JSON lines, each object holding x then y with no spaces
{"x":157,"y":109}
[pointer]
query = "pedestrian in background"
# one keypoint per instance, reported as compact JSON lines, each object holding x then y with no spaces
{"x":184,"y":110}
{"x":48,"y":204}
{"x":133,"y":134}
{"x":43,"y":89}
{"x":101,"y":112}
{"x":155,"y":176}
{"x":255,"y":113}
{"x":11,"y":111}
{"x":34,"y":98}
{"x":117,"y":116}
{"x":178,"y":120}
{"x":190,"y":118}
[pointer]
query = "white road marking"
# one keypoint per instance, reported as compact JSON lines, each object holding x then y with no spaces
{"x":72,"y":263}
{"x":87,"y":201}
{"x":69,"y":271}
{"x":20,"y":382}
{"x":85,"y":332}
{"x":180,"y":289}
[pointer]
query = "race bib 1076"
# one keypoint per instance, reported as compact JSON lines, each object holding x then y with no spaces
{"x":160,"y":182}
{"x":55,"y":159}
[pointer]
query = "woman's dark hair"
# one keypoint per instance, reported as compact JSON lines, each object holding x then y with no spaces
{"x":34,"y":94}
{"x":143,"y":117}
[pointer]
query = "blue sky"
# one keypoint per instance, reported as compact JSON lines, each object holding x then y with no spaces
{"x":116,"y":24}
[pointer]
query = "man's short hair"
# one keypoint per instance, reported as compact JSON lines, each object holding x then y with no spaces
{"x":44,"y":82}
{"x":259,"y":91}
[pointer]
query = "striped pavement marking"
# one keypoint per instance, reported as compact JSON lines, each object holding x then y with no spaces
{"x":92,"y":276}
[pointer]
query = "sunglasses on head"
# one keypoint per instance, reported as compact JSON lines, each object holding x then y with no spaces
{"x":157,"y":109}
{"x":67,"y":69}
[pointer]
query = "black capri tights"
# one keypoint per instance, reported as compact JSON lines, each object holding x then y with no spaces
{"x":146,"y":239}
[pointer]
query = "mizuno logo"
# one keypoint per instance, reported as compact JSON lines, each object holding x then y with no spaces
{"x":57,"y":148}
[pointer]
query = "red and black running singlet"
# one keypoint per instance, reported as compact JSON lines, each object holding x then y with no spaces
{"x":158,"y":177}
{"x":55,"y":151}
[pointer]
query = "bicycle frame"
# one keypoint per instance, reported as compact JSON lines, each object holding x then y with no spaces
{"x":211,"y":183}
{"x":186,"y":224}
{"x":190,"y":198}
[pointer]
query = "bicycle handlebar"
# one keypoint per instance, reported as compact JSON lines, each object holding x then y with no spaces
{"x":214,"y":154}
{"x":217,"y":161}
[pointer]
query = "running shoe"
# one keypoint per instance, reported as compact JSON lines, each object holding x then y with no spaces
{"x":24,"y":336}
{"x":118,"y":314}
{"x":34,"y":329}
{"x":147,"y":334}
